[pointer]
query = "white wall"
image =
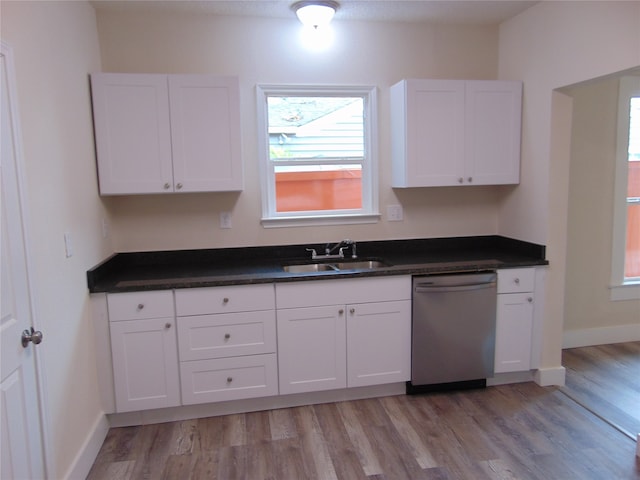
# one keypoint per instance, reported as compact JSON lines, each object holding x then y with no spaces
{"x":551,"y":45}
{"x":55,"y":45}
{"x":267,"y":51}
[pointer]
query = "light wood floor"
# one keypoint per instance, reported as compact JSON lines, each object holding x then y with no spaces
{"x":606,"y":379}
{"x":508,"y":432}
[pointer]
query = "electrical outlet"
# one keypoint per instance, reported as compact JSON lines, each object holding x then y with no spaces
{"x":394,"y":213}
{"x":225,"y":219}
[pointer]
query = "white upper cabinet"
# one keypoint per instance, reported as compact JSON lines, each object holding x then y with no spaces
{"x":166,"y":133}
{"x":455,"y":132}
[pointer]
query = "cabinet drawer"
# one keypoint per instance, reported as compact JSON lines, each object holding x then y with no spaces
{"x":229,"y":378}
{"x":240,"y":298}
{"x":138,"y":305}
{"x":516,"y":280}
{"x":226,"y":335}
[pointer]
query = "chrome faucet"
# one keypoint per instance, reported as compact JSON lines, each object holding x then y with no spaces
{"x":328,"y":251}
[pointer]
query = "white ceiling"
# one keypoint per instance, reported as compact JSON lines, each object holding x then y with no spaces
{"x":478,"y":12}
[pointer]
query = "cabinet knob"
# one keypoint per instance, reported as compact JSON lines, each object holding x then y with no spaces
{"x":225,"y":300}
{"x":530,"y":299}
{"x":460,"y":180}
{"x":341,"y":311}
{"x":227,"y":336}
{"x":229,"y":379}
{"x":470,"y":179}
{"x":352,"y":311}
{"x":140,"y":306}
{"x":167,"y":186}
{"x":167,"y":325}
{"x":516,"y":281}
{"x":178,"y":186}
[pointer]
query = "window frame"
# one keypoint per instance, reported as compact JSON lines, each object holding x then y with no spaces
{"x":622,"y":289}
{"x":369,"y":213}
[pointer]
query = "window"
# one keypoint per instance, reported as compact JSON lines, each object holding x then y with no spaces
{"x":626,"y":235}
{"x":317,"y":155}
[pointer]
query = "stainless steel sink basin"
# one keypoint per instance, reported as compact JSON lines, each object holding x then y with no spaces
{"x":309,"y":268}
{"x":327,"y":267}
{"x":361,"y":265}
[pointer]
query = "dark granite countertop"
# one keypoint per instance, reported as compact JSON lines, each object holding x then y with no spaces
{"x":136,"y":271}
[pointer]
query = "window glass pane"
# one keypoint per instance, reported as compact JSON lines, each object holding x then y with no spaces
{"x":632,"y":251}
{"x":302,"y":127}
{"x":318,"y":187}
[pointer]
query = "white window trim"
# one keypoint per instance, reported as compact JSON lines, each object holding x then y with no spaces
{"x":370,"y":211}
{"x":621,"y":290}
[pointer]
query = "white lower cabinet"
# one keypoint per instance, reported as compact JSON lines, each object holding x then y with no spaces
{"x":143,"y":350}
{"x":514,"y":320}
{"x":312,"y":349}
{"x":145,"y":364}
{"x":357,"y":334}
{"x":378,"y":343}
{"x":227,"y":343}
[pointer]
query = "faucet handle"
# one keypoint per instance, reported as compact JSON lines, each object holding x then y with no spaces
{"x":313,"y":253}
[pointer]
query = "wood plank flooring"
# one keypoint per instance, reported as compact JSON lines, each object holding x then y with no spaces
{"x":606,"y":379}
{"x":508,"y":432}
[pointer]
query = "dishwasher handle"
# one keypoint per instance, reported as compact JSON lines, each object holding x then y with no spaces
{"x":426,"y":288}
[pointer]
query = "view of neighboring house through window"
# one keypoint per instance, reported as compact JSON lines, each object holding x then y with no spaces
{"x":318,"y":161}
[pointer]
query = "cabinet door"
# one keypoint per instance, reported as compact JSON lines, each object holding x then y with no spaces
{"x":145,"y":364}
{"x":133,"y":135}
{"x":514,"y":323}
{"x":378,"y":343}
{"x":311,"y":349}
{"x":492,"y":132}
{"x":205,"y":128}
{"x":433,"y":136}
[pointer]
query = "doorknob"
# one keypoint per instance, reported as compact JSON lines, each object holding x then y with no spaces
{"x":31,"y":336}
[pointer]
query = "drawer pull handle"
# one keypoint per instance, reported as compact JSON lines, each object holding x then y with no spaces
{"x":167,"y":325}
{"x":229,"y":379}
{"x":225,"y":300}
{"x":516,"y":281}
{"x":530,"y":299}
{"x":352,"y":311}
{"x":227,"y":336}
{"x":340,"y":312}
{"x":140,"y":306}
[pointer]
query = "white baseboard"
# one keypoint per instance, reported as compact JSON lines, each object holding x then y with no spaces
{"x":87,"y":455}
{"x":601,"y":336}
{"x":546,"y":377}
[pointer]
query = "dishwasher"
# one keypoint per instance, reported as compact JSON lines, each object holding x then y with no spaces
{"x":453,"y":331}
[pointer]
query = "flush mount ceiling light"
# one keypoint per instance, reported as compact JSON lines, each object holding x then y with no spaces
{"x":315,"y":13}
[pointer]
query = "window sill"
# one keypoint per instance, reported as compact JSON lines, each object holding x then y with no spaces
{"x":628,"y":291}
{"x":317,"y":221}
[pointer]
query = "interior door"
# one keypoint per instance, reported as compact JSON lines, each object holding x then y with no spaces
{"x":21,"y":435}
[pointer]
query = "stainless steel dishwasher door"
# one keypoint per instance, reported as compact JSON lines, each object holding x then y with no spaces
{"x":454,"y":328}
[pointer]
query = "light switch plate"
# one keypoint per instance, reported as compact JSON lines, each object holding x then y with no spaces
{"x":68,"y":246}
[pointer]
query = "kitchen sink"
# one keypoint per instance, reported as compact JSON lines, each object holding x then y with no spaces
{"x":361,"y":265}
{"x":328,"y":267}
{"x":309,"y":268}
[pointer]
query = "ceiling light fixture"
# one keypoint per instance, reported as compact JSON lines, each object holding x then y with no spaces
{"x":315,"y":13}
